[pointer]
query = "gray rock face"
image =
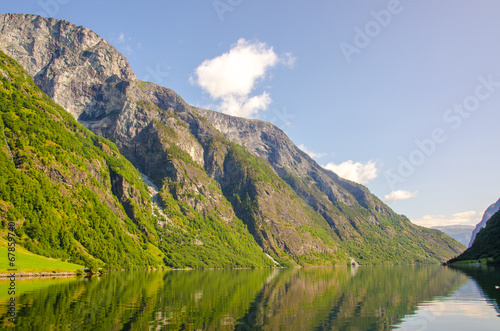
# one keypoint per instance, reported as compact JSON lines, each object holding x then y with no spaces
{"x":492,"y":209}
{"x":70,"y":62}
{"x":188,"y":152}
{"x":272,"y":144}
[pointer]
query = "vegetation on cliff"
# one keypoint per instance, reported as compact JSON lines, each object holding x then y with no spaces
{"x":72,"y":195}
{"x":486,"y":246}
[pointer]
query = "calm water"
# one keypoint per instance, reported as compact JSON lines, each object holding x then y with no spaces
{"x":363,"y":298}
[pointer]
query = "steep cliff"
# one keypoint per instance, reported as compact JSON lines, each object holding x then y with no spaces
{"x":486,"y":247}
{"x":66,"y":192}
{"x":488,"y":213}
{"x":212,"y":168}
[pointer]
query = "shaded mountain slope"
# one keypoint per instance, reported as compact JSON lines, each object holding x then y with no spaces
{"x":486,"y":246}
{"x":489,"y":212}
{"x":211,"y":167}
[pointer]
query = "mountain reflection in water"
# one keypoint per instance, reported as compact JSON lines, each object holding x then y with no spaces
{"x":330,"y":298}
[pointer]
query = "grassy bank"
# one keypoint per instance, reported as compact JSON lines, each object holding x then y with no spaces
{"x":466,"y":262}
{"x":28,"y":262}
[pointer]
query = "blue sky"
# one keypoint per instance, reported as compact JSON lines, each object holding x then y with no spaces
{"x":402,"y":96}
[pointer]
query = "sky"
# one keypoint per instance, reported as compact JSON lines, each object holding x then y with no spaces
{"x":402,"y":96}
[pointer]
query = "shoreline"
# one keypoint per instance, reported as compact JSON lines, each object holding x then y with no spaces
{"x":46,"y":274}
{"x":38,"y":274}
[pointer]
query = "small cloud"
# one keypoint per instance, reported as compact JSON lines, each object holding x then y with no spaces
{"x":400,"y":195}
{"x":127,"y":49}
{"x":288,"y":59}
{"x":467,"y":215}
{"x":355,"y":171}
{"x":232,"y":77}
{"x":311,"y":153}
{"x":464,"y":218}
{"x":123,"y":44}
{"x":121,"y":38}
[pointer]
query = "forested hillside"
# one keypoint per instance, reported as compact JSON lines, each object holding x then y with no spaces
{"x":486,"y":246}
{"x":73,"y":196}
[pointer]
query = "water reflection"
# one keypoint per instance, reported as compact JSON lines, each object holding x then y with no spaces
{"x":473,"y":306}
{"x":361,"y":298}
{"x":370,"y":298}
{"x":488,"y":278}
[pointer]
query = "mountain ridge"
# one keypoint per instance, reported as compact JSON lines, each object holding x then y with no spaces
{"x":486,"y":247}
{"x":488,"y":213}
{"x":296,"y":211}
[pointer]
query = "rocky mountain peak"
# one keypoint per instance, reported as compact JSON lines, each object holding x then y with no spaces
{"x":488,"y":213}
{"x":68,"y":61}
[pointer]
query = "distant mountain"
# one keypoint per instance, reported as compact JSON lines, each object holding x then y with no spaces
{"x":217,"y":179}
{"x":486,"y":247}
{"x":490,"y":211}
{"x":461,"y":233}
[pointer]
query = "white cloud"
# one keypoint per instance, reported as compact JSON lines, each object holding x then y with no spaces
{"x":127,"y":49}
{"x":465,"y":218}
{"x":121,"y":38}
{"x":311,"y":153}
{"x":123,"y":44}
{"x":432,"y":313}
{"x":288,"y":59}
{"x":232,"y":77}
{"x":244,"y":106}
{"x":400,"y":195}
{"x":357,"y":172}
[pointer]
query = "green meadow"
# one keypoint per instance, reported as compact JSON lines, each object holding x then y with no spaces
{"x":26,"y":261}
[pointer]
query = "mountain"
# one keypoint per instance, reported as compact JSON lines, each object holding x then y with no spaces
{"x":71,"y":195}
{"x":490,"y":211}
{"x":213,"y":175}
{"x":461,"y":233}
{"x":486,"y":247}
{"x":67,"y":192}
